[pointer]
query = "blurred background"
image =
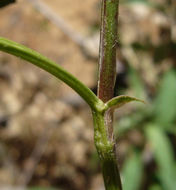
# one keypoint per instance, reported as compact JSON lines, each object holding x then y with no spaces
{"x":46,"y":130}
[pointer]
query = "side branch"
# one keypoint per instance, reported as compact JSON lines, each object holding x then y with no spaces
{"x":53,"y":68}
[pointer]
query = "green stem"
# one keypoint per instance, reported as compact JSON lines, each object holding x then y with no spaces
{"x":106,"y":152}
{"x":53,"y":68}
{"x":111,"y":176}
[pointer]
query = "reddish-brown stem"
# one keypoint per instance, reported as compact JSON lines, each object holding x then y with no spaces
{"x":107,"y":56}
{"x":107,"y":52}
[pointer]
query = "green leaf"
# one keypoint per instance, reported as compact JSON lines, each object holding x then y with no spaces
{"x":165,"y":103}
{"x":119,"y":101}
{"x":53,"y":68}
{"x":132,"y":172}
{"x":164,"y":156}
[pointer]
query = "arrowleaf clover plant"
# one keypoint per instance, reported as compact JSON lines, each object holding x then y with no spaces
{"x":104,"y":104}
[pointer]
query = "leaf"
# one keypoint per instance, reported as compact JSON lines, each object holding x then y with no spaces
{"x":164,"y":156}
{"x":119,"y":101}
{"x":4,"y":3}
{"x":132,"y":173}
{"x":165,"y":102}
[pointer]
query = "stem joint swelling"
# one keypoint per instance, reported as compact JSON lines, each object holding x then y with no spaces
{"x":106,"y":151}
{"x":104,"y":145}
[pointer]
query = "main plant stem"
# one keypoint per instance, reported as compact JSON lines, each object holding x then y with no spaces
{"x":107,"y":52}
{"x":103,"y":122}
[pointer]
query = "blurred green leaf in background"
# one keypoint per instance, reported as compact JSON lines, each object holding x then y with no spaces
{"x":165,"y":102}
{"x":132,"y":172}
{"x":163,"y":155}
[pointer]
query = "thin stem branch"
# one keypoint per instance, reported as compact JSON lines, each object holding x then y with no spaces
{"x":53,"y":68}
